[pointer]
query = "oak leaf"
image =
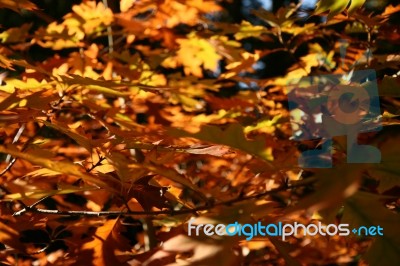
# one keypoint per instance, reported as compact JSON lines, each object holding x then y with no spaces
{"x":194,"y":52}
{"x":106,"y":248}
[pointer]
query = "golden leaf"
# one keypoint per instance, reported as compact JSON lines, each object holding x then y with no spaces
{"x":194,"y":52}
{"x":125,"y":5}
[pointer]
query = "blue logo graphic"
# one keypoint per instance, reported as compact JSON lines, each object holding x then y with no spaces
{"x":332,"y":105}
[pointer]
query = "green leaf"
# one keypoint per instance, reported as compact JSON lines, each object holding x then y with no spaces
{"x":354,"y":5}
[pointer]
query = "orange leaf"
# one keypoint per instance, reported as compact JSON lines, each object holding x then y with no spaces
{"x":103,"y":248}
{"x":10,"y":236}
{"x":17,"y":5}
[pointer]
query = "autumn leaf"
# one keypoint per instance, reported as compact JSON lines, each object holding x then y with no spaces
{"x":90,"y":16}
{"x":215,"y":150}
{"x":365,"y":209}
{"x":9,"y":236}
{"x":388,"y":86}
{"x":5,"y":62}
{"x":82,"y":140}
{"x":28,"y":84}
{"x":204,"y":253}
{"x":390,"y":9}
{"x":331,"y":188}
{"x":194,"y":53}
{"x":38,"y":194}
{"x":265,"y":124}
{"x":14,"y":35}
{"x":126,"y":4}
{"x":173,"y":176}
{"x":58,"y":166}
{"x":57,"y":37}
{"x":387,"y":172}
{"x":114,"y":110}
{"x":282,"y":19}
{"x":17,"y":5}
{"x":336,"y":7}
{"x":148,"y":195}
{"x":233,"y":136}
{"x":107,"y":246}
{"x":247,"y":30}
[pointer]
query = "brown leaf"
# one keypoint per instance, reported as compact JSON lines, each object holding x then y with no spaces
{"x":60,"y":166}
{"x":17,"y":5}
{"x":214,"y":252}
{"x":9,"y":236}
{"x":104,"y":247}
{"x":148,"y":195}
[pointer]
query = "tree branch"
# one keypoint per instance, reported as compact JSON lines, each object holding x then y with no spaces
{"x":32,"y":209}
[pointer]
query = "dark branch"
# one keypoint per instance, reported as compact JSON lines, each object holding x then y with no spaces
{"x":164,"y":212}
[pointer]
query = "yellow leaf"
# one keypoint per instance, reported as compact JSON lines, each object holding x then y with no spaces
{"x":93,"y":16}
{"x":233,"y":137}
{"x":248,"y":30}
{"x":60,"y":166}
{"x":88,"y":18}
{"x":194,"y":52}
{"x":126,"y":4}
{"x":58,"y":36}
{"x":28,"y":84}
{"x":104,"y":246}
{"x":43,"y":172}
{"x":265,"y":125}
{"x":38,"y":194}
{"x":337,"y":6}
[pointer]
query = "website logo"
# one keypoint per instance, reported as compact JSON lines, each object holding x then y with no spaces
{"x":280,"y":230}
{"x":326,"y":106}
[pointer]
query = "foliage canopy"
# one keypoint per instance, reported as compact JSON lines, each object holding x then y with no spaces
{"x":121,"y":120}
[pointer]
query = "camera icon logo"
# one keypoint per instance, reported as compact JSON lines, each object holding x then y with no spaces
{"x":326,"y":106}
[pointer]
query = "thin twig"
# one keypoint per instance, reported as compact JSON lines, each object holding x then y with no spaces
{"x":8,"y":167}
{"x":101,"y":159}
{"x":166,"y":212}
{"x":10,"y":164}
{"x":16,"y":138}
{"x":150,"y":239}
{"x":32,"y":206}
{"x":109,"y":33}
